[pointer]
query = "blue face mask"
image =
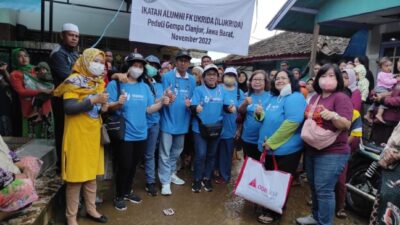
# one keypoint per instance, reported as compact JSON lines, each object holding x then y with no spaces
{"x":151,"y":70}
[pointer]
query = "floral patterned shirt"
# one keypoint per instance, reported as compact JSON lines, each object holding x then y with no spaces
{"x":7,"y":177}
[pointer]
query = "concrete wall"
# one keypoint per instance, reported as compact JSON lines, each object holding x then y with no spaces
{"x":374,"y":42}
{"x":90,"y":21}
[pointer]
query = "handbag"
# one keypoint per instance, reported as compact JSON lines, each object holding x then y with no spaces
{"x":269,"y":188}
{"x":115,"y":123}
{"x":104,"y":137}
{"x":209,"y":131}
{"x":314,"y":135}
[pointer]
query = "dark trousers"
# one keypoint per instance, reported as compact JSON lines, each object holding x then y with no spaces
{"x":286,"y":163}
{"x":58,"y":111}
{"x":251,"y":150}
{"x":129,"y":154}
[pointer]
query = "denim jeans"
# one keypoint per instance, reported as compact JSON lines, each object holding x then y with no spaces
{"x":323,"y":171}
{"x":171,"y":146}
{"x":225,"y":152}
{"x":149,"y":156}
{"x":204,"y":156}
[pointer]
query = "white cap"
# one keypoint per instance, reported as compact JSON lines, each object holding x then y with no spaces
{"x":210,"y":67}
{"x":70,"y":27}
{"x":230,"y":70}
{"x":199,"y":68}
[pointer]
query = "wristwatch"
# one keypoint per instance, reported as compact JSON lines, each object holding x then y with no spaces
{"x":336,"y":116}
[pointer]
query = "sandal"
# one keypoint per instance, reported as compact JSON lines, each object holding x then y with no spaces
{"x":266,"y":218}
{"x":341,"y":214}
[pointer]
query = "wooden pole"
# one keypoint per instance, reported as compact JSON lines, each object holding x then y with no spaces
{"x":314,"y":49}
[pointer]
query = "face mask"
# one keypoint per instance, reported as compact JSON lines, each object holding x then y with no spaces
{"x":327,"y":84}
{"x":96,"y":68}
{"x":287,"y":90}
{"x":151,"y":70}
{"x":135,"y":72}
{"x":229,"y":81}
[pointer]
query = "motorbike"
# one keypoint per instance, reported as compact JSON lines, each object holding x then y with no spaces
{"x":363,"y":177}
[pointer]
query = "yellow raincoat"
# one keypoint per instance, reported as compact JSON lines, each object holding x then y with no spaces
{"x":82,"y":153}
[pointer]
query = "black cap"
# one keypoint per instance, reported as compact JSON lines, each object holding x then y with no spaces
{"x":135,"y":57}
{"x":183,"y":54}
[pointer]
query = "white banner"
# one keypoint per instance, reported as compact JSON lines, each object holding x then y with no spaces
{"x":216,"y":25}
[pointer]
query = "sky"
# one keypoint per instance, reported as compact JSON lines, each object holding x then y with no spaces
{"x":266,"y":10}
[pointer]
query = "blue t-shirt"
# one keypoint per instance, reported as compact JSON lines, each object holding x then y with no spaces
{"x":139,"y":97}
{"x":154,"y":117}
{"x":229,"y":119}
{"x":212,"y":101}
{"x":278,"y":110}
{"x":175,"y":118}
{"x":251,"y":127}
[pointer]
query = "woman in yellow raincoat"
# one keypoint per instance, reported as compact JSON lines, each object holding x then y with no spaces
{"x":82,"y":153}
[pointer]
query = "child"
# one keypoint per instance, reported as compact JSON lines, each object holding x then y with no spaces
{"x":45,"y":82}
{"x":386,"y":80}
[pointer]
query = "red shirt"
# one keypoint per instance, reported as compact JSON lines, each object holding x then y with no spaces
{"x":26,"y":95}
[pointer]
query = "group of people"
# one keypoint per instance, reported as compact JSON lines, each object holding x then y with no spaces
{"x":161,"y":104}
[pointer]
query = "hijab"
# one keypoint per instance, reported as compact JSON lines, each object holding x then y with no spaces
{"x":352,"y":79}
{"x":243,"y":86}
{"x":14,"y":59}
{"x":81,"y":81}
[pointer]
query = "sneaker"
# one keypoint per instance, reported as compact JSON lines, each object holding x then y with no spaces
{"x":207,"y":185}
{"x":176,"y":180}
{"x":196,"y":187}
{"x":133,"y":198}
{"x":166,"y":189}
{"x":119,"y":204}
{"x":151,"y":189}
{"x":307,"y":220}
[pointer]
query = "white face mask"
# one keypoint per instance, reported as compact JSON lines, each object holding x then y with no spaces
{"x":135,"y":72}
{"x":96,"y":68}
{"x":287,"y":90}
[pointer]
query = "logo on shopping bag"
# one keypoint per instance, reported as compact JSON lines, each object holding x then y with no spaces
{"x":253,"y":183}
{"x":260,"y":187}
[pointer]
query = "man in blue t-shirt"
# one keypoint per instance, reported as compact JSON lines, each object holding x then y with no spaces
{"x":175,"y":118}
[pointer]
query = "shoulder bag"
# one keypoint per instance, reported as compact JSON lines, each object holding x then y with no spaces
{"x":314,"y":135}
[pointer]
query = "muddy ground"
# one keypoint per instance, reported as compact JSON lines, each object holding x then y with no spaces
{"x":219,"y":207}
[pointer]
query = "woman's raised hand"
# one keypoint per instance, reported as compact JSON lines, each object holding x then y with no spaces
{"x":248,"y":100}
{"x":122,"y":98}
{"x":122,"y":77}
{"x":199,"y":107}
{"x":101,"y":98}
{"x":326,"y":114}
{"x":259,"y":108}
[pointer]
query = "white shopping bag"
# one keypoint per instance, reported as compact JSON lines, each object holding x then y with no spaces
{"x":268,"y":188}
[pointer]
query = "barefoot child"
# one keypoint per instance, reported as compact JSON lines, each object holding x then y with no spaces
{"x":386,"y":80}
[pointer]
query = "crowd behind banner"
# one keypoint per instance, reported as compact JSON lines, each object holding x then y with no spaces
{"x":163,"y":114}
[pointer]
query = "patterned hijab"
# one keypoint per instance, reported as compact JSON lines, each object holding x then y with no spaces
{"x":14,"y":59}
{"x":81,"y":80}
